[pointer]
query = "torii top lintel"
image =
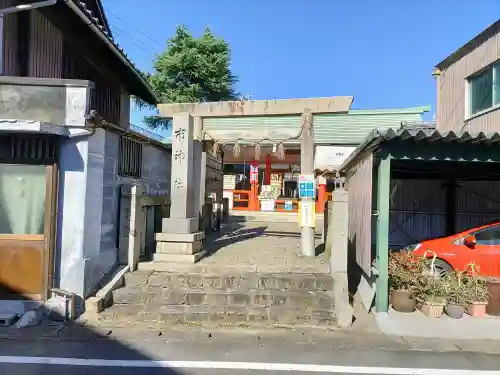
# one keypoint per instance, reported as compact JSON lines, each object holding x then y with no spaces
{"x":334,"y":104}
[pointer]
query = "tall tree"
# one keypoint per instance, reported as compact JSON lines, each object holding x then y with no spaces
{"x":191,"y":70}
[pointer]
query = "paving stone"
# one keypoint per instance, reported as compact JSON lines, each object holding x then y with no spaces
{"x":159,"y":279}
{"x":217,"y":314}
{"x":128,"y":295}
{"x":324,"y":282}
{"x":138,"y":279}
{"x":235,"y":315}
{"x":197,"y":314}
{"x":261,"y":298}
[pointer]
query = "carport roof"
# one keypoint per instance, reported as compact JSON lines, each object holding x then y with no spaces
{"x":418,"y":133}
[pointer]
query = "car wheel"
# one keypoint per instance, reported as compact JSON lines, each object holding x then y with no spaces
{"x":442,"y":268}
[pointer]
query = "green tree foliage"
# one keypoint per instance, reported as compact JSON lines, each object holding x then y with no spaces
{"x":191,"y":70}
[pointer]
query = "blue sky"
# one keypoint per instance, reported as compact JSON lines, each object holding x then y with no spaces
{"x":381,"y":52}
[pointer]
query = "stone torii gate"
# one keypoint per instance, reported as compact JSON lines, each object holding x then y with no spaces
{"x":180,"y":240}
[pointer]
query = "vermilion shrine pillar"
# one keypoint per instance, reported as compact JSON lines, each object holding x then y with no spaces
{"x":320,"y":203}
{"x":253,"y":200}
{"x":267,"y":175}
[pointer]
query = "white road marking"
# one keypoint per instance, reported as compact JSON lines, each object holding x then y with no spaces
{"x":256,"y":366}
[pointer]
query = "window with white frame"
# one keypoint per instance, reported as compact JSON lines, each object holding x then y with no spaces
{"x":484,"y":90}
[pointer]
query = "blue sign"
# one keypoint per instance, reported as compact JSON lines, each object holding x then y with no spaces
{"x":288,"y":205}
{"x":307,"y":188}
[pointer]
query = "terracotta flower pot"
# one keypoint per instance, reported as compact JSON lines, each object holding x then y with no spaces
{"x":476,"y":308}
{"x":455,"y":311}
{"x":432,"y":309}
{"x":403,"y":301}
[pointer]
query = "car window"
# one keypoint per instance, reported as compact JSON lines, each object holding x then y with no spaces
{"x":490,"y":236}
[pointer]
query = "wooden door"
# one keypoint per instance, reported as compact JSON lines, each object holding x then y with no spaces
{"x":27,"y":215}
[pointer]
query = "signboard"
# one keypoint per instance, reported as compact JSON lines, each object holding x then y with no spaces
{"x":288,"y":205}
{"x":307,"y":186}
{"x":267,"y":204}
{"x":321,"y":180}
{"x":307,"y":213}
{"x":254,"y":174}
{"x":331,"y":157}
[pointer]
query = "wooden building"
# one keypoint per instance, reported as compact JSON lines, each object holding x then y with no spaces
{"x":66,"y":147}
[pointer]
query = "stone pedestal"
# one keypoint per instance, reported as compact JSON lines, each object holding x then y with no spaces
{"x":179,"y":247}
{"x":180,"y":239}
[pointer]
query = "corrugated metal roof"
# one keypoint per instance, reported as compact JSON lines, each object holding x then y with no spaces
{"x":353,"y":127}
{"x":340,"y":129}
{"x":422,"y":132}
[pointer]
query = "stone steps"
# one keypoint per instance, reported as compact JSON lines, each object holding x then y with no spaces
{"x":228,"y":299}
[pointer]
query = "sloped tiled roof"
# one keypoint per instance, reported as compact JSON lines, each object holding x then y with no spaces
{"x":100,"y":24}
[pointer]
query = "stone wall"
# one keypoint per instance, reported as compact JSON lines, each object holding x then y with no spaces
{"x":89,"y":205}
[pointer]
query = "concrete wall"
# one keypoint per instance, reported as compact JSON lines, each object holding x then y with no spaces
{"x":89,"y":205}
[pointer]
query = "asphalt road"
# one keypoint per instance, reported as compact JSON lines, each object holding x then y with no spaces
{"x":160,"y":356}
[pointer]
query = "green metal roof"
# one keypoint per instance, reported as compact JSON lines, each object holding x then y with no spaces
{"x":418,"y":133}
{"x":342,"y":128}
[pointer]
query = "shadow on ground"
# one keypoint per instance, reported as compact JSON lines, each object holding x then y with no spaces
{"x":236,"y":231}
{"x":53,"y":336}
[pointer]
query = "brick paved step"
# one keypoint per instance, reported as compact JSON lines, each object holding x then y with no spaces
{"x":241,"y":298}
{"x":231,"y":281}
{"x":305,"y":300}
{"x":217,"y":315}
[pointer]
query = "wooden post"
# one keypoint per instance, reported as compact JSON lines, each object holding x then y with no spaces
{"x":307,"y":168}
{"x":267,"y":173}
{"x":382,"y":252}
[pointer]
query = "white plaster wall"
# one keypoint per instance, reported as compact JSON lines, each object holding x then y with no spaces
{"x":71,"y":214}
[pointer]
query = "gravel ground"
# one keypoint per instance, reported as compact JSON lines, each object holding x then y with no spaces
{"x":271,"y":247}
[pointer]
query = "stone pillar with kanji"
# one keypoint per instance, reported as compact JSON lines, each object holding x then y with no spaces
{"x":180,"y":239}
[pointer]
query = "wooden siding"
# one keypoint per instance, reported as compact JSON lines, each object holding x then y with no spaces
{"x":50,"y":57}
{"x":359,"y":185}
{"x":452,"y":89}
{"x":10,"y":41}
{"x":45,"y":48}
{"x":106,"y":97}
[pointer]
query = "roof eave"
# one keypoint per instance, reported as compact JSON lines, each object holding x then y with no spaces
{"x":470,"y":46}
{"x":147,"y":93}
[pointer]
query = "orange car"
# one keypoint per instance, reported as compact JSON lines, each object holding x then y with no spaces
{"x":480,"y":245}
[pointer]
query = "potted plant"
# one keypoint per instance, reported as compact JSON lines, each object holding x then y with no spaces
{"x":477,"y":292}
{"x":433,"y":295}
{"x":457,"y":295}
{"x":404,"y":271}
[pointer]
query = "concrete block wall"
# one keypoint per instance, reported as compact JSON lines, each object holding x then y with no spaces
{"x":88,"y":219}
{"x":155,"y":171}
